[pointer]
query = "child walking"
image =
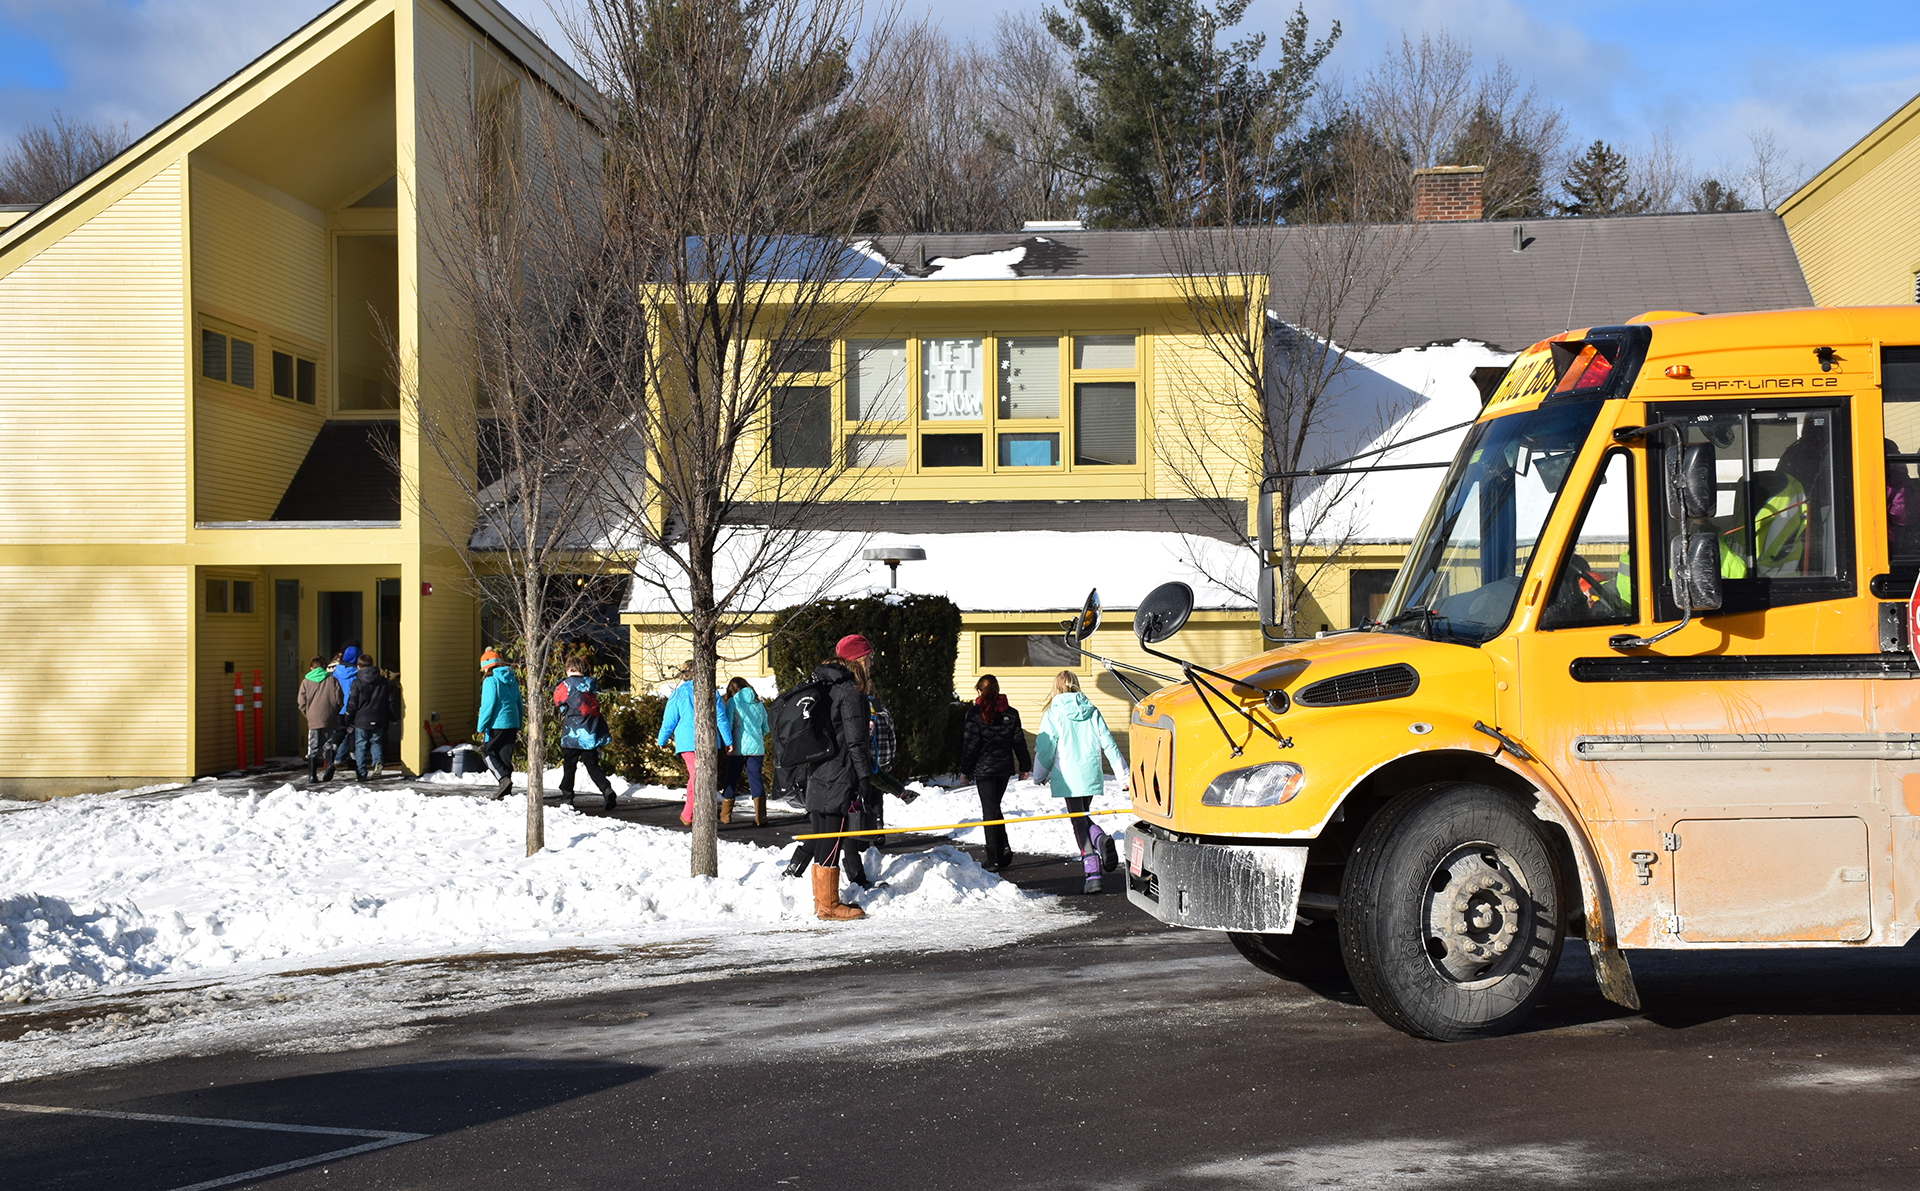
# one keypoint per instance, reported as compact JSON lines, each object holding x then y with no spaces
{"x":1073,"y":738}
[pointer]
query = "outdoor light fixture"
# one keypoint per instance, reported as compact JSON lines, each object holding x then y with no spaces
{"x":893,"y":556}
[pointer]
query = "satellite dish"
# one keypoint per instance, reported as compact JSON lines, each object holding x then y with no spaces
{"x":1162,"y":613}
{"x":1082,"y":626}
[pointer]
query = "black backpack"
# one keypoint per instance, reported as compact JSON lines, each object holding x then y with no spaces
{"x":800,"y":734}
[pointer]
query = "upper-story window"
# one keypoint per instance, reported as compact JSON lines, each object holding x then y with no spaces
{"x":226,"y":358}
{"x":946,"y":404}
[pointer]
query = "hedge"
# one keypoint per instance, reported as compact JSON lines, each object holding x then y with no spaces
{"x":917,"y":641}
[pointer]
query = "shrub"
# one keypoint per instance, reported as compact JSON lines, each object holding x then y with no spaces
{"x":917,"y":641}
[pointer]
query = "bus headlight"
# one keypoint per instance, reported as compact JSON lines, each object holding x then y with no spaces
{"x":1263,"y":785}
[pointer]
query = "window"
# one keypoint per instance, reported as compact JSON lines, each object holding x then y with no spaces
{"x":230,"y":596}
{"x":983,"y":403}
{"x":1367,"y":593}
{"x":802,"y":434}
{"x":1900,"y":381}
{"x":1783,"y":530}
{"x":1012,"y":651}
{"x":294,"y":378}
{"x":1595,"y":584}
{"x":366,"y":311}
{"x":1103,"y":423}
{"x":226,"y":358}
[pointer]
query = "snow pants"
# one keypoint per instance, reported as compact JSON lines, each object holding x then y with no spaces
{"x":992,"y":790}
{"x":498,"y":751}
{"x":569,"y":757}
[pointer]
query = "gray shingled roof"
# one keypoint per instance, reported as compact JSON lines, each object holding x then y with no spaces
{"x":1470,"y":283}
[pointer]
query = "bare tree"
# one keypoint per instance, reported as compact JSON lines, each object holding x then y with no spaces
{"x":743,"y":151}
{"x":1425,"y":104}
{"x":48,"y":158}
{"x":531,"y":299}
{"x":1769,"y":175}
{"x":953,"y":174}
{"x":1661,"y":176}
{"x":1031,"y":79}
{"x":1262,"y":397}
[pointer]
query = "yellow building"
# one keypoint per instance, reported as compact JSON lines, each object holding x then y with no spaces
{"x":198,"y":402}
{"x":1856,"y":223}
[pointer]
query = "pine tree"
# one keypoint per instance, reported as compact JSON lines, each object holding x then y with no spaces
{"x":1164,"y":108}
{"x":1711,"y":194}
{"x":1599,"y":183}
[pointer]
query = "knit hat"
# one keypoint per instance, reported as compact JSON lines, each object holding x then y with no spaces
{"x":852,"y":648}
{"x":490,"y":659}
{"x":349,"y":655}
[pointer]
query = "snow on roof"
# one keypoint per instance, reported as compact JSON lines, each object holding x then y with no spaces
{"x":981,"y":266}
{"x":1383,"y":399}
{"x":1027,"y":571}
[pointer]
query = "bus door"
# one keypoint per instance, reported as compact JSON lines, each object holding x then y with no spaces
{"x":1731,"y":766}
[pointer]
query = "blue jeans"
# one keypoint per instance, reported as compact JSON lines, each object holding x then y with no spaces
{"x":362,"y":738}
{"x":743,"y":765}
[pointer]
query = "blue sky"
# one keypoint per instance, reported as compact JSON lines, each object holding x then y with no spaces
{"x":1708,"y":72}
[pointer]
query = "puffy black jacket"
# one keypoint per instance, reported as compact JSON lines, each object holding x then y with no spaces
{"x":367,"y":706}
{"x":995,"y":746}
{"x":834,"y":782}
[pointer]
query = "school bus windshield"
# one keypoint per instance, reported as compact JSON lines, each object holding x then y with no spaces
{"x":1460,"y":582}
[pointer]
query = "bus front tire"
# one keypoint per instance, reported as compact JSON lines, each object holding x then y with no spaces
{"x":1310,"y":955}
{"x":1452,"y":912}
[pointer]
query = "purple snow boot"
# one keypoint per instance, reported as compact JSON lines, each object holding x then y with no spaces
{"x":1101,"y":844}
{"x":1090,"y":864}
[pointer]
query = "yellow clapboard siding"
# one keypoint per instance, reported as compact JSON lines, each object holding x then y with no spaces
{"x":92,"y":408}
{"x":1856,"y":225}
{"x":245,"y":453}
{"x":259,"y":262}
{"x":449,"y":681}
{"x":92,"y":681}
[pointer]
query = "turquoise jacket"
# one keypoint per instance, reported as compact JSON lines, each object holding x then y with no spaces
{"x":499,"y":701}
{"x":676,"y":723}
{"x":749,"y":723}
{"x":1073,"y":737}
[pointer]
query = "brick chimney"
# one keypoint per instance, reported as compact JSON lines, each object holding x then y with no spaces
{"x":1447,"y":193}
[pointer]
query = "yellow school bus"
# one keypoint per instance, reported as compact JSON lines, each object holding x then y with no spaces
{"x":1644,"y":679}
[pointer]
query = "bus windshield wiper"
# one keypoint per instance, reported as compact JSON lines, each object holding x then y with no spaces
{"x":1426,"y":617}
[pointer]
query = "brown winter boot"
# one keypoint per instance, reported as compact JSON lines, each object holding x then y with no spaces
{"x":826,"y":897}
{"x":759,"y":812}
{"x":726,"y":810}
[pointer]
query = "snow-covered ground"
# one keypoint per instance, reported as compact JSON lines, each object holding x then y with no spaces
{"x":185,"y":897}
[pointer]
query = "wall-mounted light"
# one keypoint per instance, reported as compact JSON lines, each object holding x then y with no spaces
{"x":426,"y":589}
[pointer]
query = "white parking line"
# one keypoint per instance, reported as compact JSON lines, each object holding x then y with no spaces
{"x":381,"y":1137}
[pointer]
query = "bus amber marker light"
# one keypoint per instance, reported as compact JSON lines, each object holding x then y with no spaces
{"x":1679,"y":372}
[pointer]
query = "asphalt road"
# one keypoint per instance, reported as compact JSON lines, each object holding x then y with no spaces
{"x":1113,"y":1054}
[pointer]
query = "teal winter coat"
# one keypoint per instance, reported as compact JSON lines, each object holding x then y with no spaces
{"x":1073,"y":737}
{"x":749,"y":723}
{"x":676,"y":723}
{"x":499,"y":701}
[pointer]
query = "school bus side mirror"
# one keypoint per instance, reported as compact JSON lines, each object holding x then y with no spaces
{"x":1695,"y":482}
{"x":1695,"y":559}
{"x":1162,"y":613}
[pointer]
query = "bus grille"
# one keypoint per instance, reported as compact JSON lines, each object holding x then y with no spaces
{"x":1361,"y":686}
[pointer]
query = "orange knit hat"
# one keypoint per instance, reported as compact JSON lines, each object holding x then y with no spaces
{"x":489,"y":660}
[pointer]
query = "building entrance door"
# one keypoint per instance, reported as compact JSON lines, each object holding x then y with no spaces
{"x":288,"y":738}
{"x":340,"y":617}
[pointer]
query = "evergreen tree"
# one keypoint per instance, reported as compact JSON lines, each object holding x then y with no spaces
{"x":1513,"y":186}
{"x":1599,"y":182}
{"x":1711,"y":194}
{"x":1164,"y":112}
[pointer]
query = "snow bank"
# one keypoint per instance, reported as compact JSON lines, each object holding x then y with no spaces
{"x":104,"y":892}
{"x":960,"y":804}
